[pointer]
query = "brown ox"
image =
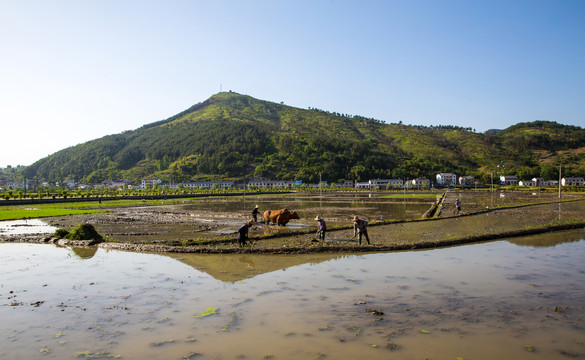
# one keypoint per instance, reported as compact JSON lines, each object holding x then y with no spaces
{"x":280,"y":217}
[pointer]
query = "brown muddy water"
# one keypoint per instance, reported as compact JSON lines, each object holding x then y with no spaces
{"x":499,"y":300}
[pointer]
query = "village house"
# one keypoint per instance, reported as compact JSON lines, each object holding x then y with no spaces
{"x":150,"y":183}
{"x":70,"y":183}
{"x":420,"y":183}
{"x":550,"y":183}
{"x":15,"y":185}
{"x":538,"y":180}
{"x":348,"y":183}
{"x":362,"y":184}
{"x":527,"y":183}
{"x":115,"y":184}
{"x":466,"y":180}
{"x":573,"y":181}
{"x":384,"y":183}
{"x":281,"y":184}
{"x":446,"y":179}
{"x":203,"y":185}
{"x":542,"y":182}
{"x":508,"y":180}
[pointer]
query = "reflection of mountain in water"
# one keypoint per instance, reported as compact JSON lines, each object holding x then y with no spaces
{"x":549,"y":239}
{"x":84,"y":252}
{"x":231,"y":268}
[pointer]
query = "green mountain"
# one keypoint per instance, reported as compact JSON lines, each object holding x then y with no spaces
{"x":234,"y":136}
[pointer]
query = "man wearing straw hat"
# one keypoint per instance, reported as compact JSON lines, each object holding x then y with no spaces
{"x":255,"y":213}
{"x":322,"y":228}
{"x":360,"y":226}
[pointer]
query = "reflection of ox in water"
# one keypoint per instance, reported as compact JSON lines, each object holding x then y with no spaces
{"x":280,"y":217}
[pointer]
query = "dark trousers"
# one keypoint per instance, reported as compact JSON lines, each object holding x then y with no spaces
{"x":321,"y":234}
{"x":242,"y":241}
{"x":363,"y":232}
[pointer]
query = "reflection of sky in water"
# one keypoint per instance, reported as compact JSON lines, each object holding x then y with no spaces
{"x":29,"y":226}
{"x":484,"y":301}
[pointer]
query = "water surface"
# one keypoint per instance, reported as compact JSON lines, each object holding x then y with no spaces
{"x":497,"y":300}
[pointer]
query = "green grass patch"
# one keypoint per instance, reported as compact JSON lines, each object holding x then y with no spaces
{"x":41,"y":210}
{"x":15,"y":212}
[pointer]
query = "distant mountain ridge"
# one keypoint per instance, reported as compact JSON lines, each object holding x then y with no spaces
{"x":234,"y":136}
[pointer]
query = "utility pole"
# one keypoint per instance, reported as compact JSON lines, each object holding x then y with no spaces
{"x":560,"y":181}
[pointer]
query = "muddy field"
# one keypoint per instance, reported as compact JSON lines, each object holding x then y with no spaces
{"x":395,"y":222}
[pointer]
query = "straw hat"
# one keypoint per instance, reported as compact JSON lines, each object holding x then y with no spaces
{"x":318,"y":217}
{"x":355,"y":218}
{"x":250,"y":222}
{"x":256,"y":206}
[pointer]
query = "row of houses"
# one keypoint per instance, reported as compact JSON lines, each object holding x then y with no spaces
{"x":450,"y":179}
{"x":566,"y":181}
{"x":442,"y":180}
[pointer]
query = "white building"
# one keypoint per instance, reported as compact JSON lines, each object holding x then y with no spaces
{"x":420,"y":183}
{"x":508,"y":180}
{"x":527,"y":183}
{"x":17,"y":184}
{"x":384,"y":183}
{"x":466,"y":180}
{"x":550,"y":183}
{"x":150,"y":183}
{"x":117,"y":184}
{"x":542,"y":182}
{"x":203,"y":185}
{"x":362,"y":184}
{"x":573,"y":181}
{"x":446,"y":179}
{"x":281,"y":184}
{"x":70,"y":183}
{"x":539,"y":181}
{"x":348,"y":183}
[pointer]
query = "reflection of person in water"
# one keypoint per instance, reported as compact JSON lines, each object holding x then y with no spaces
{"x":250,"y":263}
{"x":255,"y":213}
{"x":243,"y":233}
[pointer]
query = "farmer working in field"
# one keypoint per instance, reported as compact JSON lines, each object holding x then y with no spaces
{"x":457,"y":205}
{"x":321,"y":229}
{"x":255,"y":213}
{"x":243,"y":233}
{"x":360,"y":226}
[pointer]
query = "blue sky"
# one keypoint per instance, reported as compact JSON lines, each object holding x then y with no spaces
{"x":72,"y":71}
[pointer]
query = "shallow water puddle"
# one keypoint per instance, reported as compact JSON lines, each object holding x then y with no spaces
{"x":29,"y":226}
{"x":493,"y":300}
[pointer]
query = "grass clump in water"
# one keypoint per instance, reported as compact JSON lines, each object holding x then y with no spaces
{"x":207,"y":312}
{"x":96,"y":355}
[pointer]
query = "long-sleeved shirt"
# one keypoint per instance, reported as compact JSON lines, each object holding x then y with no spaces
{"x":321,"y":225}
{"x":243,"y":232}
{"x":359,"y":226}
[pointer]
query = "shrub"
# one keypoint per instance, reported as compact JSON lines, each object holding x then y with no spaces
{"x":84,"y":232}
{"x":61,"y":233}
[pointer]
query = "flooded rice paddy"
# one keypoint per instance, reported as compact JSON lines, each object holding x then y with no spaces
{"x":497,"y":300}
{"x":221,"y":217}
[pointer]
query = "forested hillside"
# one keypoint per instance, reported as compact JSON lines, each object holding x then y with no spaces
{"x":233,"y":136}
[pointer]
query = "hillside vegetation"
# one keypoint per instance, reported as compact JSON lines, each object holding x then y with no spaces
{"x":234,"y":136}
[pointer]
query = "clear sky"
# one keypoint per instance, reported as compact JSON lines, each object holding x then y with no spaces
{"x":73,"y":71}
